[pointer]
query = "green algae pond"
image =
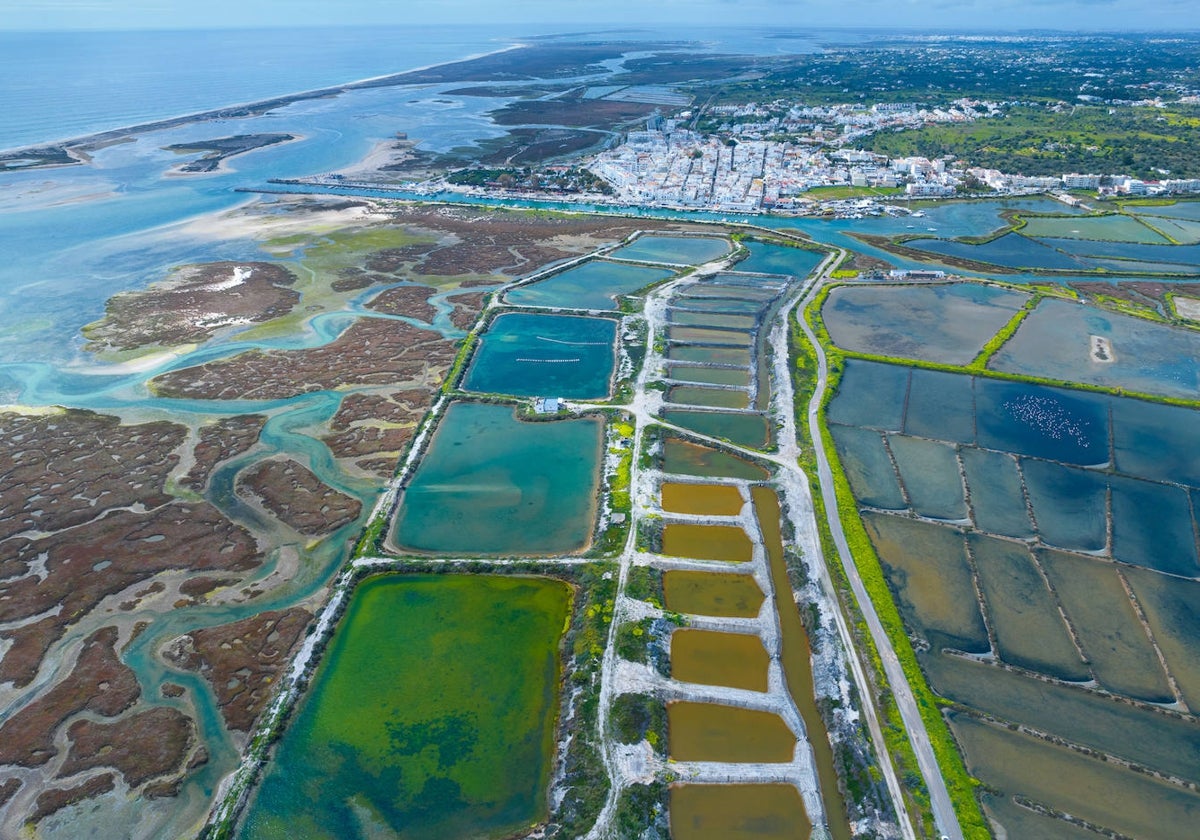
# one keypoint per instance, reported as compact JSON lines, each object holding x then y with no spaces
{"x":738,"y":812}
{"x":708,"y":397}
{"x":701,"y":499}
{"x":735,"y":660}
{"x":492,"y":484}
{"x":719,"y":305}
{"x":593,"y":285}
{"x":733,"y":356}
{"x":1108,"y":228}
{"x":683,"y":457}
{"x":553,"y":355}
{"x":702,"y":319}
{"x":711,"y":593}
{"x":432,"y":715}
{"x":710,"y":335}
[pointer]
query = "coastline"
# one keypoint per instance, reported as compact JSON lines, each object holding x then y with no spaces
{"x":72,"y":145}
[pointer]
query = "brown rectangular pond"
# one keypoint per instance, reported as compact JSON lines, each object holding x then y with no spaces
{"x":708,"y":732}
{"x":711,"y":593}
{"x":701,"y":499}
{"x":735,"y":660}
{"x":707,"y":542}
{"x":738,"y":812}
{"x":686,"y":458}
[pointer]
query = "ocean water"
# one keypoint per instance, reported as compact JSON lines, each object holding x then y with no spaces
{"x":73,"y":236}
{"x":59,"y":85}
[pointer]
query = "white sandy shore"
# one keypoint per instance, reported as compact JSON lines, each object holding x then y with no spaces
{"x":242,"y":221}
{"x":140,"y":364}
{"x":383,"y":153}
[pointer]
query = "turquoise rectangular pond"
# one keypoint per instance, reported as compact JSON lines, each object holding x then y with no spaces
{"x":593,"y":285}
{"x":674,"y":250}
{"x":491,"y":484}
{"x":545,"y":355}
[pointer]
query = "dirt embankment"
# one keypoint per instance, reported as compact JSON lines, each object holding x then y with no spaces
{"x":298,"y":498}
{"x":192,"y":304}
{"x":241,"y":660}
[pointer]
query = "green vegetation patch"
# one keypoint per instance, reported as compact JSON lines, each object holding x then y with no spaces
{"x":1042,"y":141}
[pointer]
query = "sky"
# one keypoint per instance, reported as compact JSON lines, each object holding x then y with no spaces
{"x":920,"y":14}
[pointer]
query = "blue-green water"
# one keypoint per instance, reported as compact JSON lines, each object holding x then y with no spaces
{"x":549,"y":355}
{"x":674,"y":250}
{"x":491,"y":484}
{"x":779,"y":259}
{"x":592,"y":285}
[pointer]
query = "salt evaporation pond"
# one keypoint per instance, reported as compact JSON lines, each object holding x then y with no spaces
{"x":711,"y":593}
{"x":593,"y":285}
{"x":553,"y":355}
{"x":1055,"y":342}
{"x":947,"y":323}
{"x":402,"y":733}
{"x":491,"y":484}
{"x":767,"y":258}
{"x":687,"y":458}
{"x":674,"y":250}
{"x":738,"y":812}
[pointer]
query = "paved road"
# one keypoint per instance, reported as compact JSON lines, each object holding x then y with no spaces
{"x":939,"y":796}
